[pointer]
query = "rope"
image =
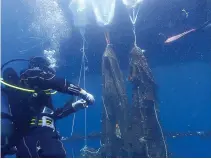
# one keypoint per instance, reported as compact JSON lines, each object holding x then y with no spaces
{"x":85,"y":149}
{"x":107,"y":37}
{"x":161,"y":131}
{"x":83,"y":67}
{"x":134,"y":33}
{"x":133,"y":17}
{"x":74,"y":116}
{"x":105,"y":108}
{"x":85,"y":115}
{"x":24,"y":89}
{"x":73,"y":153}
{"x":84,"y":84}
{"x":73,"y":124}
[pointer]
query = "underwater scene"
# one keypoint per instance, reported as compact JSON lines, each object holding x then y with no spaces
{"x":105,"y":78}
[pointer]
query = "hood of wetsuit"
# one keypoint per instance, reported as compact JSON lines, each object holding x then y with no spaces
{"x":41,"y":63}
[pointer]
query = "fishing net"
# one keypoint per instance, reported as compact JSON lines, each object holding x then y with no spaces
{"x":88,"y":152}
{"x":114,"y":117}
{"x":149,"y":136}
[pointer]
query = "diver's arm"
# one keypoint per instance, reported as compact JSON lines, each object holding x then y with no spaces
{"x":70,"y":108}
{"x":42,"y":80}
{"x":62,"y":112}
{"x":64,"y":86}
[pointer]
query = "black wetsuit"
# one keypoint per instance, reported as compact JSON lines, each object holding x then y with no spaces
{"x":36,"y":141}
{"x":41,"y":80}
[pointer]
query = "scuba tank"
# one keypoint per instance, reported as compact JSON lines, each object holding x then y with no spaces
{"x":7,"y":127}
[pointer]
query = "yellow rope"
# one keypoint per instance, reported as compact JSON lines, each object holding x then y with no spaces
{"x":24,"y":89}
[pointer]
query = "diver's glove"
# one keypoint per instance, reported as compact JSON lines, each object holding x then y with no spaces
{"x":87,"y":97}
{"x":79,"y":104}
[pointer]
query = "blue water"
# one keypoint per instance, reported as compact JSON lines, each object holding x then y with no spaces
{"x":181,"y":70}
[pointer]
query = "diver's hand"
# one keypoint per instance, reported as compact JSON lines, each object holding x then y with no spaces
{"x":87,"y":97}
{"x":79,"y":104}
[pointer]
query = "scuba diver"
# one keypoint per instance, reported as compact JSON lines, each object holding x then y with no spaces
{"x":32,"y":110}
